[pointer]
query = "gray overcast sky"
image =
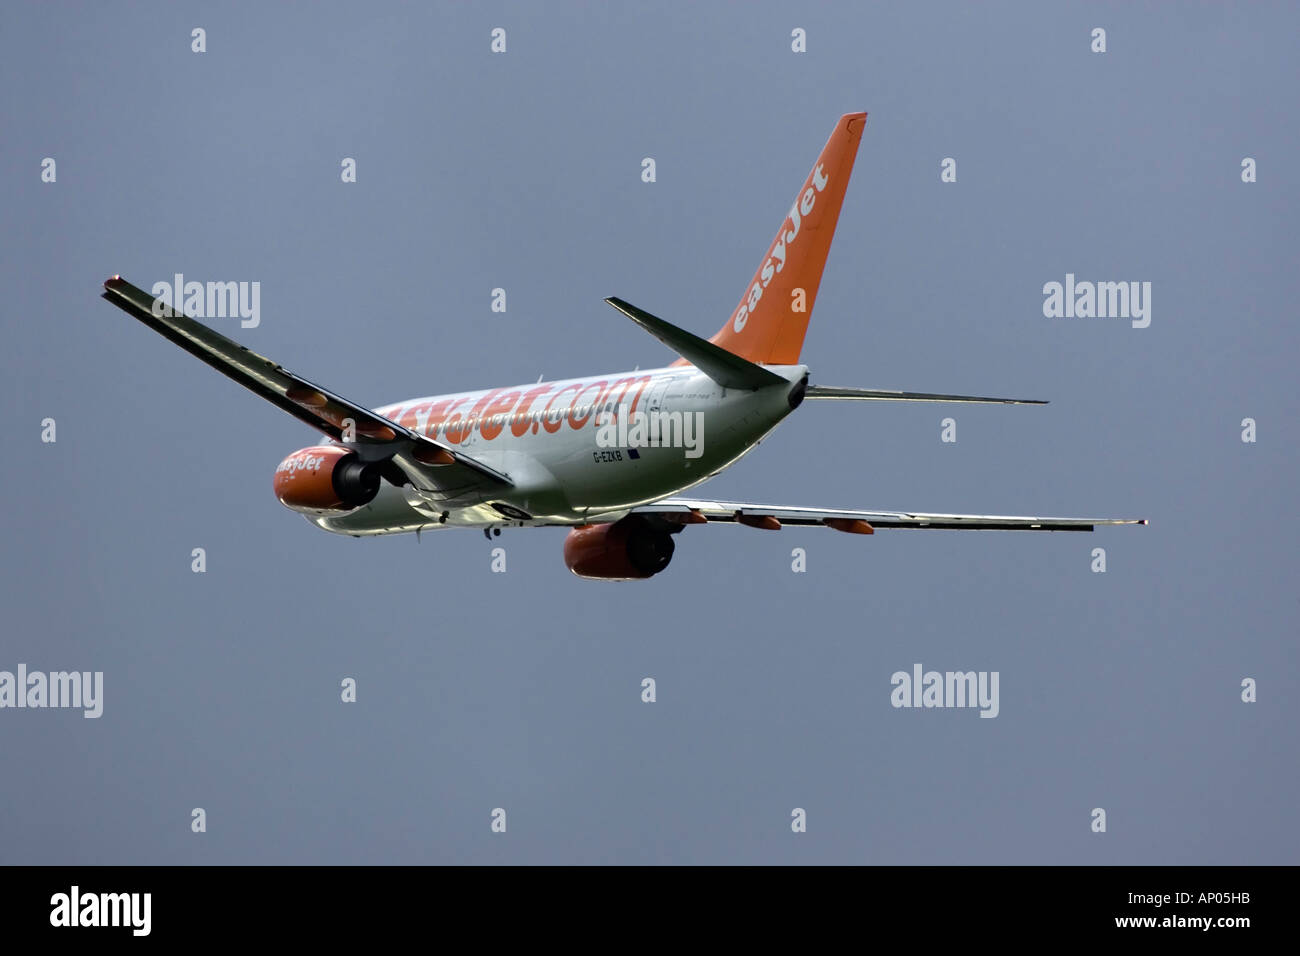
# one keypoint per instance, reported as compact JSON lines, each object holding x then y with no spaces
{"x":522,"y":690}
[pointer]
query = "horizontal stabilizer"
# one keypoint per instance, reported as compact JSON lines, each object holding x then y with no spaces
{"x":726,"y":368}
{"x":888,"y":395}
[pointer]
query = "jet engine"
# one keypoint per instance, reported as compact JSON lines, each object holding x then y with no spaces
{"x":326,"y":479}
{"x":630,"y":549}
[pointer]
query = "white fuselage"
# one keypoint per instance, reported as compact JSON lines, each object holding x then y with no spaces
{"x":570,"y":455}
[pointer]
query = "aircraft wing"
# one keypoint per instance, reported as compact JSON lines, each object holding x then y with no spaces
{"x":690,"y":510}
{"x":427,"y":462}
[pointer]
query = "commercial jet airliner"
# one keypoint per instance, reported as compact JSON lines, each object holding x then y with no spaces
{"x":607,"y":456}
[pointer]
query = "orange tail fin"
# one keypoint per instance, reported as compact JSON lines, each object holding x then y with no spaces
{"x":769,"y":324}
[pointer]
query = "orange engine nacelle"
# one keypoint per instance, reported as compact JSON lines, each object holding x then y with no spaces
{"x":326,"y":479}
{"x":627,"y":550}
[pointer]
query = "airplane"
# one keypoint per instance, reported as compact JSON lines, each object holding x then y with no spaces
{"x":609,"y":457}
